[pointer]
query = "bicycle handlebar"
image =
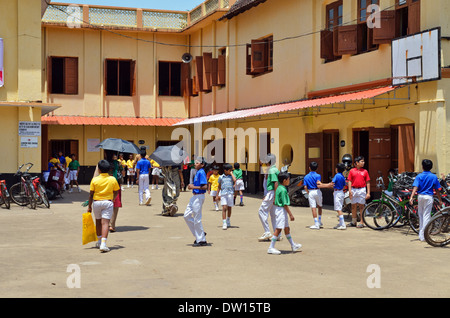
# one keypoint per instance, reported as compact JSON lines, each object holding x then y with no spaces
{"x":20,"y":168}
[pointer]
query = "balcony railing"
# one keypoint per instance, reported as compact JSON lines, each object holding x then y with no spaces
{"x":85,"y":15}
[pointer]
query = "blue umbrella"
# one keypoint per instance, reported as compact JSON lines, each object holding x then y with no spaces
{"x":169,"y":155}
{"x":119,"y":145}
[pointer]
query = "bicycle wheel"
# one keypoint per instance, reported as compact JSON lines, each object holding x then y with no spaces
{"x":378,"y":215}
{"x":32,"y":197}
{"x":5,"y":196}
{"x":437,"y":231}
{"x":43,"y":195}
{"x":413,"y":218}
{"x":19,"y":194}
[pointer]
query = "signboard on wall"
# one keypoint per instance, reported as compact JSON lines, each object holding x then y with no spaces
{"x":28,"y":142}
{"x":29,"y":128}
{"x":91,"y":143}
{"x":2,"y":77}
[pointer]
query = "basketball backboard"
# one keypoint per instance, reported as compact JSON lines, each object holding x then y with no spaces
{"x":417,"y":58}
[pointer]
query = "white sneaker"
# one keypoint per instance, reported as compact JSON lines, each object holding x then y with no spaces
{"x":70,"y":190}
{"x":79,"y":190}
{"x":149,"y":199}
{"x":104,"y":248}
{"x":315,"y":227}
{"x":273,"y":250}
{"x":265,"y":237}
{"x":224,"y":226}
{"x":340,"y":227}
{"x":296,"y":247}
{"x":153,"y":187}
{"x":228,"y":223}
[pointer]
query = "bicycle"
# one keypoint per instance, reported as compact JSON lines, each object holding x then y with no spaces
{"x":23,"y":192}
{"x":387,"y":211}
{"x":4,"y":195}
{"x":40,"y":191}
{"x":437,"y":231}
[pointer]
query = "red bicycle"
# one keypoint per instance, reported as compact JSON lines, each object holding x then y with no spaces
{"x":4,"y":195}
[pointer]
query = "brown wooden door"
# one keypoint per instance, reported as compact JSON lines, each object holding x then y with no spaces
{"x":379,"y":154}
{"x":314,"y":151}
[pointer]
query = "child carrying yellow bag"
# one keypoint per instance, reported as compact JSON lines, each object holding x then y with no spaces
{"x":89,"y":231}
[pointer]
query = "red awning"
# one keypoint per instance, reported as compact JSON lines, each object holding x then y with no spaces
{"x":108,"y":121}
{"x":285,"y":107}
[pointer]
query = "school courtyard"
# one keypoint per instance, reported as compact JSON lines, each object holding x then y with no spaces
{"x":152,"y":256}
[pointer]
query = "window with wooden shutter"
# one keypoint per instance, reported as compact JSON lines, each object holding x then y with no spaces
{"x":120,"y":77}
{"x":365,"y":33}
{"x":171,"y":78}
{"x":207,"y":69}
{"x":214,"y":71}
{"x":260,"y":56}
{"x":347,"y":39}
{"x":221,"y":70}
{"x":326,"y":45}
{"x":328,"y":37}
{"x":185,"y":84}
{"x":199,"y":73}
{"x":407,"y":17}
{"x":62,"y":75}
{"x":386,"y":33}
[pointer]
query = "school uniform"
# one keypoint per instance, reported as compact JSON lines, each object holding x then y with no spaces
{"x":425,"y":182}
{"x":266,"y":207}
{"x":281,"y":199}
{"x":359,"y":179}
{"x":239,"y":185}
{"x":314,"y":193}
{"x":226,"y":190}
{"x":144,"y":168}
{"x":214,"y":180}
{"x":338,"y":193}
{"x":103,"y":186}
{"x":193,"y":212}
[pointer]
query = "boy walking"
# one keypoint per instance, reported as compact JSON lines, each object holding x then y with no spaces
{"x":226,"y":194}
{"x":239,"y":186}
{"x":213,"y":185}
{"x":267,"y":207}
{"x":358,"y":181}
{"x":282,"y":211}
{"x":103,"y":191}
{"x":142,"y":171}
{"x":312,"y":184}
{"x":74,"y":169}
{"x":193,"y":212}
{"x":423,"y":185}
{"x":338,"y":184}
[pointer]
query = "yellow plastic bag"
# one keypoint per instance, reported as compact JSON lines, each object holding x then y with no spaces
{"x":89,"y":231}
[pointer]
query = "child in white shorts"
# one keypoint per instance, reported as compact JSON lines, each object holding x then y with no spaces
{"x":312,"y":184}
{"x":226,"y":194}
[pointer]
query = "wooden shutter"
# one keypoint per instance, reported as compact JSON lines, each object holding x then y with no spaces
{"x":258,"y":56}
{"x":414,"y":17}
{"x":326,"y":45}
{"x":214,"y":71}
{"x":386,"y":32}
{"x":379,"y":155}
{"x":314,"y":151}
{"x":406,"y":148}
{"x":347,"y":39}
{"x":207,"y":66}
{"x":248,"y":51}
{"x":199,"y":73}
{"x":74,"y":148}
{"x":105,"y":77}
{"x":185,"y":79}
{"x":71,"y":75}
{"x":49,"y":74}
{"x":133,"y":77}
{"x":221,"y":70}
{"x":194,"y":86}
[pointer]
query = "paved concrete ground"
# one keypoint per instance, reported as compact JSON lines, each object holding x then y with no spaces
{"x":152,"y":256}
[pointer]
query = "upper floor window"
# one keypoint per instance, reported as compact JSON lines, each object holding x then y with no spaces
{"x":120,"y":77}
{"x":170,"y":79}
{"x":62,"y":75}
{"x":260,"y":56}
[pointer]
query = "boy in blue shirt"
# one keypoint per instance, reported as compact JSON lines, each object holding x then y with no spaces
{"x":312,"y":183}
{"x":142,"y":170}
{"x":338,"y":184}
{"x":423,"y":185}
{"x":193,"y":213}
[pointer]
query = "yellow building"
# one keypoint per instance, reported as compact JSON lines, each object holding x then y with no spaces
{"x":21,"y":104}
{"x":310,"y":78}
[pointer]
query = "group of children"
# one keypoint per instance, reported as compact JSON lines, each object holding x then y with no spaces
{"x":71,"y":167}
{"x":276,"y":202}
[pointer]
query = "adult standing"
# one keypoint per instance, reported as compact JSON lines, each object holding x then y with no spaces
{"x":173,"y":182}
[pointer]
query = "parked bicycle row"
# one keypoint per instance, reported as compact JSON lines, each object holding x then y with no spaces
{"x":29,"y":191}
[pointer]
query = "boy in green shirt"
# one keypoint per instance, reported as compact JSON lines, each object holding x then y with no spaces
{"x":74,"y":169}
{"x":266,"y":207}
{"x":239,"y":185}
{"x":281,"y":212}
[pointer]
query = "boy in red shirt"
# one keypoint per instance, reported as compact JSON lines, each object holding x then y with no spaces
{"x":358,"y":180}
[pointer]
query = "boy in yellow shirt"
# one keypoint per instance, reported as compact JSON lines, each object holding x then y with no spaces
{"x":213,"y":185}
{"x":103,"y":190}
